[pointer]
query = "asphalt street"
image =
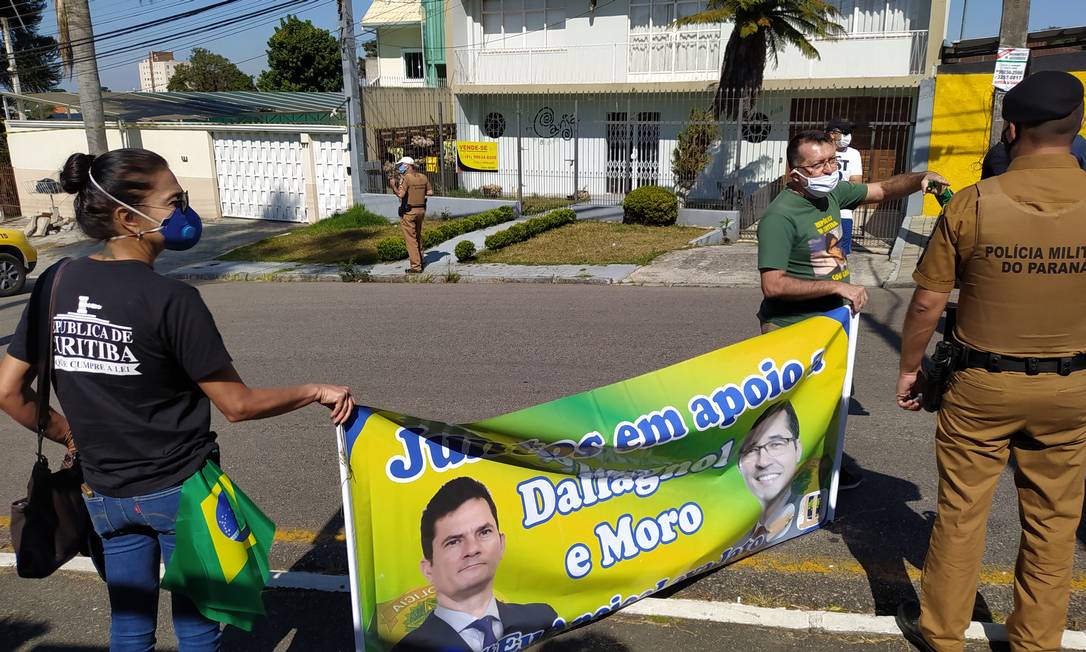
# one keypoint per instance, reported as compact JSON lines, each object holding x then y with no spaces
{"x":463,"y":352}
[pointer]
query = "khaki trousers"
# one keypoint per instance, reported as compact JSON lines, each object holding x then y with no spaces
{"x":985,"y":418}
{"x":411,"y":223}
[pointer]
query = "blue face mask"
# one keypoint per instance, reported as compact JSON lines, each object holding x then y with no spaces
{"x":180,"y":231}
{"x":402,"y":169}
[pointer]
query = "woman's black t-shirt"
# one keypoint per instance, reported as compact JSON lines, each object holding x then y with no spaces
{"x":128,"y":348}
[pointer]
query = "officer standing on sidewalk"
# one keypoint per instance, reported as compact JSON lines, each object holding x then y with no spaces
{"x":1017,"y":244}
{"x":413,"y":189}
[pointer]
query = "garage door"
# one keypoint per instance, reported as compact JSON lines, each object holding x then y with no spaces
{"x":333,"y":185}
{"x":260,"y":175}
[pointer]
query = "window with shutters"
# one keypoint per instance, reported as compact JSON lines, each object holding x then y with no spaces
{"x":518,"y":24}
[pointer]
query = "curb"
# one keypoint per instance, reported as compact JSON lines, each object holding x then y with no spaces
{"x":733,"y":613}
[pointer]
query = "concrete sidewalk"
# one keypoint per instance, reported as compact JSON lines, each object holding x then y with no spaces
{"x":737,"y":266}
{"x":713,"y":266}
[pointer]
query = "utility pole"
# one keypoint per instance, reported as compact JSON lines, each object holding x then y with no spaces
{"x":151,"y":65}
{"x":1013,"y":33}
{"x":77,"y":49}
{"x":12,"y":71}
{"x":355,"y":129}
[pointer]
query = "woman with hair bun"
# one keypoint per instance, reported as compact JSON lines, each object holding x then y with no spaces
{"x":138,"y":361}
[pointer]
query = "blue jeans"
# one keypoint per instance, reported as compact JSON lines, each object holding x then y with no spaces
{"x":846,"y":236}
{"x":136,"y":533}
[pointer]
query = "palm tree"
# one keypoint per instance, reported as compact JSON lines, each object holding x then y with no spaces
{"x":76,"y":40}
{"x":763,"y":28}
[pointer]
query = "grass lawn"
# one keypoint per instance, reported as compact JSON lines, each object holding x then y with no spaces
{"x":595,"y":243}
{"x":352,"y":235}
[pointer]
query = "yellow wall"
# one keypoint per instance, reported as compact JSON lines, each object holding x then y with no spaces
{"x":960,"y":129}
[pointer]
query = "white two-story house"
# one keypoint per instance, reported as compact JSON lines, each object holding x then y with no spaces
{"x":598,"y":90}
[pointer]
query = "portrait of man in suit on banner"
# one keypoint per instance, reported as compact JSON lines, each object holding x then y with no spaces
{"x":462,"y":547}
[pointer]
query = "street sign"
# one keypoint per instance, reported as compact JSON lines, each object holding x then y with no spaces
{"x":1010,"y":68}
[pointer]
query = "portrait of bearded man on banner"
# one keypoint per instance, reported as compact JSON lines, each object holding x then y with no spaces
{"x":462,"y":546}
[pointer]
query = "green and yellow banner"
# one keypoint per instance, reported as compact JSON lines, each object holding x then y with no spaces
{"x":496,"y":534}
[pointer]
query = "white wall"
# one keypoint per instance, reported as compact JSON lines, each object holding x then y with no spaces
{"x":603,"y":48}
{"x":39,"y":150}
{"x":547,"y":162}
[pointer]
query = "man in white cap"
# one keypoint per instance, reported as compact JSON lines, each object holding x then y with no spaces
{"x":412,"y":189}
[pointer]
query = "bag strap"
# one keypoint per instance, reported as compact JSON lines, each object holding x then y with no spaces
{"x":40,"y":323}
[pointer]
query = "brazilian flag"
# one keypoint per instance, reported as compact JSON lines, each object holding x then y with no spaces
{"x":221,"y":558}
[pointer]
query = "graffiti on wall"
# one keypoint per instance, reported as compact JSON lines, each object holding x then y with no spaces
{"x":546,"y":125}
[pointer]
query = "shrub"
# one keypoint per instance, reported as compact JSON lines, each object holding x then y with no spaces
{"x":465,"y":250}
{"x":530,"y":228}
{"x":391,"y":248}
{"x":650,"y":205}
{"x":394,"y":248}
{"x":491,"y":190}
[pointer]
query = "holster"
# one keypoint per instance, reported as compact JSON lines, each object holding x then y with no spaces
{"x":939,"y":370}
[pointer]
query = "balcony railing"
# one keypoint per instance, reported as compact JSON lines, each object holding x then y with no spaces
{"x":694,"y":55}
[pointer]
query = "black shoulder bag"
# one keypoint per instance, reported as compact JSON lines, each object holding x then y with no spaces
{"x":51,"y":524}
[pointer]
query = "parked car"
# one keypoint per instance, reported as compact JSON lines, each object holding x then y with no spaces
{"x":17,"y":258}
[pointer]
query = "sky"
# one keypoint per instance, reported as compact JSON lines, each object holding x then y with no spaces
{"x":245,"y":43}
{"x":982,"y":16}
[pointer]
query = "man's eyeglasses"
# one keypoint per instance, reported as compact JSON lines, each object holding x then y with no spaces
{"x":829,"y":165}
{"x":774,"y":448}
{"x":180,"y":202}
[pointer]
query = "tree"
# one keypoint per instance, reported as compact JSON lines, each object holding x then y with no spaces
{"x":691,"y":155}
{"x":207,"y":71}
{"x":302,"y":57}
{"x":36,"y":57}
{"x":76,"y":45}
{"x":763,"y":29}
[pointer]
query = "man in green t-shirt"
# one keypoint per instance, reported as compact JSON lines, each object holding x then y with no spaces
{"x":804,"y":271}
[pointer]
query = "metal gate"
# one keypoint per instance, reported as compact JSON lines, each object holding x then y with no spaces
{"x":333,"y":185}
{"x":260,"y":175}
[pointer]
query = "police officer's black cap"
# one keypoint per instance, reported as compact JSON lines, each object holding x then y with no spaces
{"x":840,"y":124}
{"x":1043,"y":96}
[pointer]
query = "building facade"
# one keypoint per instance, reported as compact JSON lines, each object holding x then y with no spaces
{"x":156,"y":71}
{"x":590,"y":98}
{"x":410,"y":43}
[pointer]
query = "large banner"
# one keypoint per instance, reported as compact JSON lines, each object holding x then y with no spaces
{"x":496,"y":534}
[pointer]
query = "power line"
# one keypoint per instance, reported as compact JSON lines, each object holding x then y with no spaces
{"x":195,"y":44}
{"x":220,"y":24}
{"x":124,"y":31}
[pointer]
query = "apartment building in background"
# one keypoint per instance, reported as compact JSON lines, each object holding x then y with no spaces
{"x":156,"y":71}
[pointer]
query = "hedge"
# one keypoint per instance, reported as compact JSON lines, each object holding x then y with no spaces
{"x":531,"y":228}
{"x":651,"y":205}
{"x":394,"y":248}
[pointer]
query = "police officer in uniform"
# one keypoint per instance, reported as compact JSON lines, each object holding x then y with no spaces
{"x":413,"y":189}
{"x":1017,"y":242}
